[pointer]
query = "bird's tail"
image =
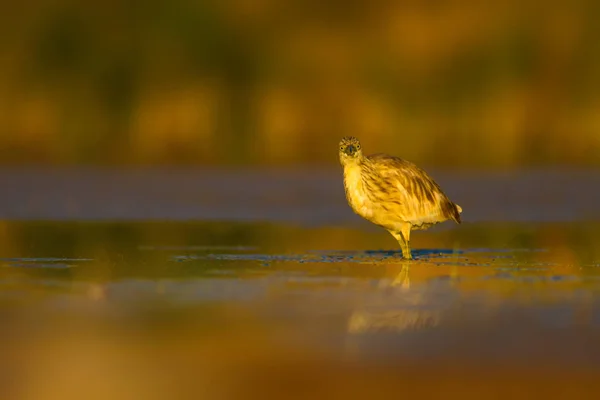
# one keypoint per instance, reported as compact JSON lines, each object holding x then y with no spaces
{"x":452,"y":211}
{"x":456,"y":214}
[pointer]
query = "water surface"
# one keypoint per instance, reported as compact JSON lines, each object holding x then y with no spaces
{"x":232,"y":285}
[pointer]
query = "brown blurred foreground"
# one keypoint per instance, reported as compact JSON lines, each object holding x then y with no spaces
{"x":78,"y":360}
{"x":230,"y":353}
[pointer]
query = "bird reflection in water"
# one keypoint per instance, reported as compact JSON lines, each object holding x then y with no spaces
{"x":398,"y":309}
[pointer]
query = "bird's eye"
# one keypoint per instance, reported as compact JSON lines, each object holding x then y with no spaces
{"x":342,"y":148}
{"x":358,"y":147}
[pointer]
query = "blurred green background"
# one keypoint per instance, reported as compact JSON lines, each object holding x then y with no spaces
{"x":440,"y":82}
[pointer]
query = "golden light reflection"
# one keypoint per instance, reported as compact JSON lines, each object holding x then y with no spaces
{"x":296,"y":312}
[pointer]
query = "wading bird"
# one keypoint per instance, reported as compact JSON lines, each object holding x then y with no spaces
{"x":393,"y":193}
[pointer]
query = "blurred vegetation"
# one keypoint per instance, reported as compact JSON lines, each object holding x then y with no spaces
{"x":442,"y":82}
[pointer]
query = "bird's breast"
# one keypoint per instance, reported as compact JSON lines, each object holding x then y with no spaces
{"x":355,"y":192}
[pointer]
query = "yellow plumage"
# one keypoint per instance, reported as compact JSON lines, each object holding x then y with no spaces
{"x":393,"y":193}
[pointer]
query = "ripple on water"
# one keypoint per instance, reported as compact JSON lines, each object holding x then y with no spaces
{"x":43,"y":262}
{"x":464,"y":257}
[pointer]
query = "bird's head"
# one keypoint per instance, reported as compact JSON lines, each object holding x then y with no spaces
{"x":350,"y":150}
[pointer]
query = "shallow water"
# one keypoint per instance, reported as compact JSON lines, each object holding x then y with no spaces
{"x":293,"y":298}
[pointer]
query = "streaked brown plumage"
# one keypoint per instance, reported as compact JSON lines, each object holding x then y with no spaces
{"x":393,"y":193}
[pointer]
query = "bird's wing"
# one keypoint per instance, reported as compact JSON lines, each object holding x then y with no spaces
{"x":418,"y":195}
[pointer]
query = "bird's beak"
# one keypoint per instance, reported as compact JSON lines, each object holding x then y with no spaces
{"x":350,"y":150}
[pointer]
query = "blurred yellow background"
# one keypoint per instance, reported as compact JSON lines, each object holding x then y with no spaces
{"x":441,"y":82}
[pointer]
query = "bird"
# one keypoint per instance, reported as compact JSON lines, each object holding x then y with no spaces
{"x":393,"y":193}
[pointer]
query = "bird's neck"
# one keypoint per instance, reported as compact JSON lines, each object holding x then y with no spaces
{"x":352,"y":165}
{"x":354,"y":187}
{"x":353,"y":173}
{"x":354,"y":162}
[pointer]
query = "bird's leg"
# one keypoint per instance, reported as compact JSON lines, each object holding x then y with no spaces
{"x":399,"y":238}
{"x":406,"y":235}
{"x":403,"y":237}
